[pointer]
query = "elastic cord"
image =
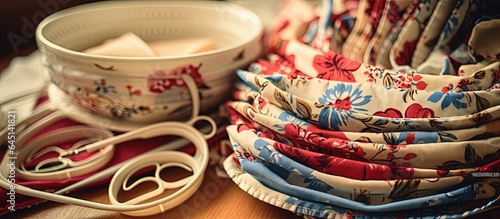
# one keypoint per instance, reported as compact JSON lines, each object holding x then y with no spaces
{"x":164,"y":203}
{"x":169,"y":128}
{"x":195,"y":95}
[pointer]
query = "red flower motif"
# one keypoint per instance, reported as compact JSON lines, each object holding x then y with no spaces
{"x":262,"y":103}
{"x":160,"y":81}
{"x":371,"y":79}
{"x":410,"y":138}
{"x":358,"y":150}
{"x":286,"y":66}
{"x":327,"y":133}
{"x":421,"y":85}
{"x":266,"y":67}
{"x":409,"y":156}
{"x":245,"y":154}
{"x":442,"y":172}
{"x":417,"y":111}
{"x":335,"y":67}
{"x":408,"y":80}
{"x":447,"y":89}
{"x":190,"y":70}
{"x":136,"y":92}
{"x":404,"y":171}
{"x":404,"y":57}
{"x":390,"y":156}
{"x":417,"y":77}
{"x":396,"y":147}
{"x":343,"y":104}
{"x":242,"y":127}
{"x":394,"y":12}
{"x":389,"y":113}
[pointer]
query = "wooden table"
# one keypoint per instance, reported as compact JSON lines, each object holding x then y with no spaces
{"x":216,"y":198}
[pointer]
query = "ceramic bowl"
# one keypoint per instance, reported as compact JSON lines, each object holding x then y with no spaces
{"x":63,"y":36}
{"x":142,"y":100}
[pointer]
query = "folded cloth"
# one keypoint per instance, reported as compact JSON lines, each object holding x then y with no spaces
{"x":432,"y":30}
{"x":303,"y":176}
{"x":368,"y":99}
{"x":460,"y":154}
{"x":285,"y":124}
{"x":403,"y":48}
{"x":328,"y":116}
{"x":392,"y":12}
{"x":249,"y":183}
{"x":276,"y":176}
{"x":324,"y":132}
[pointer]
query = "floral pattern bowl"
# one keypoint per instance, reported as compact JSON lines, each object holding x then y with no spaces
{"x":147,"y":86}
{"x":141,"y":100}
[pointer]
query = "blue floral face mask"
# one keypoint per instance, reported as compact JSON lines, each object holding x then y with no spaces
{"x":328,"y":188}
{"x":261,"y":179}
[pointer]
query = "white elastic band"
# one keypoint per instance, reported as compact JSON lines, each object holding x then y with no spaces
{"x":165,"y":128}
{"x":194,"y":92}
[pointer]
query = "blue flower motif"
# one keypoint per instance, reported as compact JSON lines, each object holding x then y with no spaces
{"x":317,"y":184}
{"x":343,"y":92}
{"x":449,"y":98}
{"x":103,"y":87}
{"x":333,"y":119}
{"x":341,"y":99}
{"x":450,"y":26}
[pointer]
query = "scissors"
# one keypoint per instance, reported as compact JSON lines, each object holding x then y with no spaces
{"x":102,"y":146}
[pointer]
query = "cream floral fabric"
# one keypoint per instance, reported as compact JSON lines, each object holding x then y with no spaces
{"x":375,"y":109}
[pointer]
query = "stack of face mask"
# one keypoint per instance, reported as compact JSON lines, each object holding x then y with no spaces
{"x":372,"y":109}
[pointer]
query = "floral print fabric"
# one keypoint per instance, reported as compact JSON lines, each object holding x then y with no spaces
{"x":391,"y":13}
{"x":432,"y":31}
{"x":313,"y":188}
{"x":359,"y":117}
{"x":369,"y":99}
{"x":399,"y":154}
{"x":254,"y":187}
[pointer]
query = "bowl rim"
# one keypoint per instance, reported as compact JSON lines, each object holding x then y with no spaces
{"x":42,"y":41}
